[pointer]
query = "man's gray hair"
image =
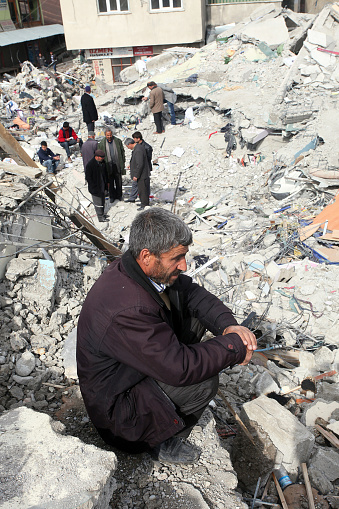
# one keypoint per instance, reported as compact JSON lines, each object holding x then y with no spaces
{"x":158,"y":230}
{"x":110,"y":130}
{"x":129,"y":141}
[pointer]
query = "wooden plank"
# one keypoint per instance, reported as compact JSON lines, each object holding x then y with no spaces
{"x":237,"y":418}
{"x":17,"y":169}
{"x":95,"y":236}
{"x":328,"y":435}
{"x":14,"y":149}
{"x":280,"y":492}
{"x":308,"y":486}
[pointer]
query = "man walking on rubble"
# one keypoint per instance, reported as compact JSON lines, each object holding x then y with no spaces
{"x":156,"y":103}
{"x":140,"y":171}
{"x":137,"y":137}
{"x":89,"y":110}
{"x":96,"y":176}
{"x":115,"y":162}
{"x":88,"y":149}
{"x":144,"y":373}
{"x":47,"y":158}
{"x":67,"y":138}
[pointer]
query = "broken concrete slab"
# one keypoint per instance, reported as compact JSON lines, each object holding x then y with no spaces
{"x":69,"y":355}
{"x":323,"y":469}
{"x":319,"y":408}
{"x":271,"y":422}
{"x":42,"y":468}
{"x":271,"y":31}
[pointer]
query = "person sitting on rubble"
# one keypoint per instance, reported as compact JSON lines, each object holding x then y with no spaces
{"x":145,"y":375}
{"x":137,"y":137}
{"x":140,"y":172}
{"x":97,"y":180}
{"x":67,"y":138}
{"x":156,"y":103}
{"x":88,"y":149}
{"x":115,"y":162}
{"x":89,"y":110}
{"x":47,"y":158}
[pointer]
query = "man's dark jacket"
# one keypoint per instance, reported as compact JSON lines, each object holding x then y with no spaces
{"x":87,"y":151}
{"x":45,"y":155}
{"x":139,"y":165}
{"x":96,"y":176}
{"x":121,"y":153}
{"x":149,"y":152}
{"x":127,"y":338}
{"x":89,"y":110}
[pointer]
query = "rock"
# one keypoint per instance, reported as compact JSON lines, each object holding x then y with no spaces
{"x":17,"y":268}
{"x":23,"y":380}
{"x":16,"y":392}
{"x":25,"y":365}
{"x":40,"y":289}
{"x":265,"y":384}
{"x":40,"y":341}
{"x":59,"y":472}
{"x":323,"y":359}
{"x":306,"y":360}
{"x":319,"y":408}
{"x":323,"y":469}
{"x":63,"y":258}
{"x":17,"y":342}
{"x":274,"y":423}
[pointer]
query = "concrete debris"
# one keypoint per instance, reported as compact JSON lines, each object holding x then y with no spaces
{"x":252,"y":167}
{"x":58,"y":461}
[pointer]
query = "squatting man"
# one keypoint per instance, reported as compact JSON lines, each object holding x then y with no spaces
{"x":144,"y":374}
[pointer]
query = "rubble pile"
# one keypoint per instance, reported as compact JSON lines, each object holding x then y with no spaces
{"x":251,"y":167}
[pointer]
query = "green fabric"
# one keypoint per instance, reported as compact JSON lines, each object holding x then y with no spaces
{"x":121,"y":152}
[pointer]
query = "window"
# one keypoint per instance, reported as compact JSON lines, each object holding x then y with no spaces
{"x":113,"y":5}
{"x":165,"y":4}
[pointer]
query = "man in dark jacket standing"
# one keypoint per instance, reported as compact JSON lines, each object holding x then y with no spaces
{"x":144,"y":374}
{"x":115,"y":163}
{"x":89,"y":110}
{"x":137,"y":137}
{"x":88,"y":149}
{"x":96,"y":177}
{"x":140,"y":172}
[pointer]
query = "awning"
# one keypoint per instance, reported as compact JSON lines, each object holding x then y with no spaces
{"x":29,"y":34}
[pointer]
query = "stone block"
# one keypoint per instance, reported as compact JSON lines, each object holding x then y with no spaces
{"x":41,"y":468}
{"x":18,"y":267}
{"x":40,"y":288}
{"x":306,"y":360}
{"x":319,"y":408}
{"x":292,"y":441}
{"x":323,"y":359}
{"x":317,"y":38}
{"x":323,"y":469}
{"x":265,"y":384}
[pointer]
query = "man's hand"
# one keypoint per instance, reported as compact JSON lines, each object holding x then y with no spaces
{"x":247,"y":337}
{"x":145,"y":99}
{"x":135,"y":179}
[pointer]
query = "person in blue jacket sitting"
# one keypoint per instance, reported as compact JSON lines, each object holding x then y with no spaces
{"x":47,"y":158}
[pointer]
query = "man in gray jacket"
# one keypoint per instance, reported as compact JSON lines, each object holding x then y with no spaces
{"x":88,"y":149}
{"x":140,"y":171}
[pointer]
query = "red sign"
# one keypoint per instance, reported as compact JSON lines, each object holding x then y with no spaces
{"x":139,"y":51}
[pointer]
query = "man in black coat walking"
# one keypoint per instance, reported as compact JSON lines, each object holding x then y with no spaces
{"x":89,"y":110}
{"x":137,"y":137}
{"x":96,"y":176}
{"x":140,"y":171}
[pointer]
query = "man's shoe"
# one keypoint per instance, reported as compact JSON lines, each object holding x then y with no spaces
{"x":103,"y":219}
{"x":141,"y":208}
{"x":174,"y":450}
{"x":130,"y":201}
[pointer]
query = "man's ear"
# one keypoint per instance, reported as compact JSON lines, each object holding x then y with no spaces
{"x":144,"y":258}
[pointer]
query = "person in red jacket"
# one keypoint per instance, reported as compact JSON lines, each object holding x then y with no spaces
{"x":144,"y":373}
{"x":67,"y":138}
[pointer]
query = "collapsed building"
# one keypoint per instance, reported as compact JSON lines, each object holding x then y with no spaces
{"x":252,"y":167}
